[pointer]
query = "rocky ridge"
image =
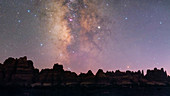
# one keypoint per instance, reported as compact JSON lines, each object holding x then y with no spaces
{"x":21,"y":72}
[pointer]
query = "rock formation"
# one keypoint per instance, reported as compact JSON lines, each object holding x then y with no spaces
{"x":157,"y":75}
{"x":21,"y":72}
{"x":18,"y":71}
{"x":87,"y":79}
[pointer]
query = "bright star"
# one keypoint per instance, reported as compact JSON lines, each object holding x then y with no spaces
{"x":69,"y":68}
{"x":98,"y":27}
{"x":41,"y":44}
{"x":128,"y":67}
{"x":70,"y":19}
{"x":28,"y":11}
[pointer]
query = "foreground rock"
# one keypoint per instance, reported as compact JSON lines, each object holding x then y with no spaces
{"x":18,"y":72}
{"x":21,"y":72}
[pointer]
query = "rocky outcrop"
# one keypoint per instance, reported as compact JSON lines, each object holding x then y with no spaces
{"x":9,"y":69}
{"x":157,"y":75}
{"x":101,"y":78}
{"x":22,"y":72}
{"x":18,"y":72}
{"x":87,"y":78}
{"x":56,"y":76}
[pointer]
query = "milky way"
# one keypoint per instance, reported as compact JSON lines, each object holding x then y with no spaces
{"x":78,"y":29}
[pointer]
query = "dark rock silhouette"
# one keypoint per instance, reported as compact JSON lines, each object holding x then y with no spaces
{"x":1,"y":73}
{"x":156,"y":75}
{"x":87,"y":79}
{"x":56,"y":76}
{"x":21,"y":72}
{"x":18,"y":71}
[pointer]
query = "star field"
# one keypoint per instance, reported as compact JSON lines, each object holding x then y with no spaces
{"x":87,"y":34}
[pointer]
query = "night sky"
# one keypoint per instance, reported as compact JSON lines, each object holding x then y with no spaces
{"x":87,"y":34}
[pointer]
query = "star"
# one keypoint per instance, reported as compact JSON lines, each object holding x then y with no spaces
{"x":41,"y":44}
{"x":70,"y":19}
{"x":107,"y":4}
{"x":125,"y":5}
{"x":160,"y":22}
{"x":126,"y":18}
{"x":17,"y":12}
{"x":98,"y":27}
{"x":19,"y":21}
{"x":28,"y":11}
{"x":69,"y":68}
